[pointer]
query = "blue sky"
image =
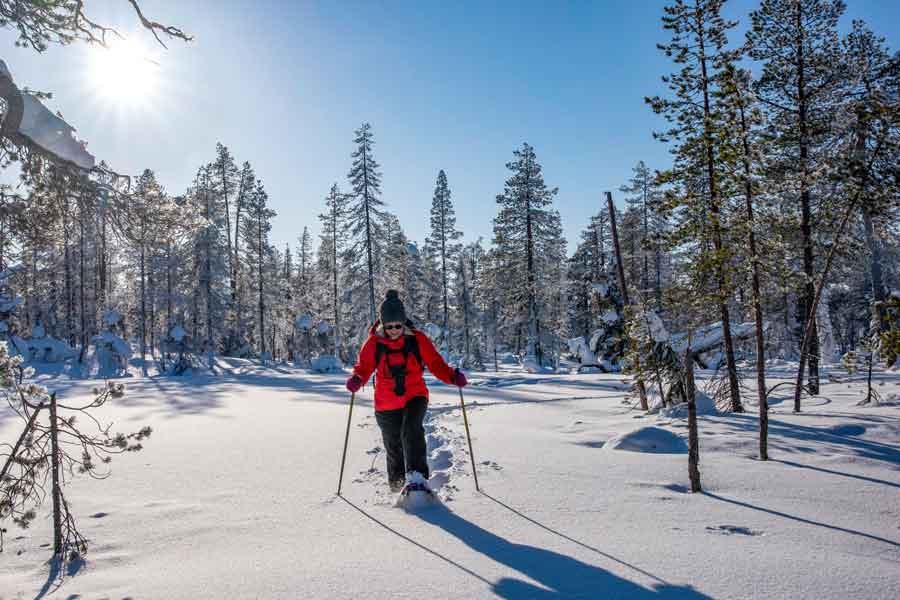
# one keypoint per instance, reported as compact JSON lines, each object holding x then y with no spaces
{"x":450,"y":85}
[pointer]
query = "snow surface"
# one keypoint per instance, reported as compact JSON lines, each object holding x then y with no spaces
{"x":178,"y":333}
{"x":233,"y":496}
{"x":648,"y":439}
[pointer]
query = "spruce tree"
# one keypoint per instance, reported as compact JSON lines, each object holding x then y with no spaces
{"x":332,"y":242}
{"x":443,"y":243}
{"x":257,"y":253}
{"x":796,"y":41}
{"x":698,"y":49}
{"x":525,"y":226}
{"x":366,"y":215}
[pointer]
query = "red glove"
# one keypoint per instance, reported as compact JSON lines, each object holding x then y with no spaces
{"x":354,"y":383}
{"x":459,"y":378}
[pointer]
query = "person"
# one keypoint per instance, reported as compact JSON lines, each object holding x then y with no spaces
{"x":398,"y":353}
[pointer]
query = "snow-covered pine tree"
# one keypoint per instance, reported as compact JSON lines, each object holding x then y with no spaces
{"x":226,"y":180}
{"x":246,"y":188}
{"x":136,"y":225}
{"x":871,"y":106}
{"x":366,"y":214}
{"x":797,"y":43}
{"x":443,"y":242}
{"x":397,"y":271}
{"x":332,"y":241}
{"x":524,"y":227}
{"x":644,"y":197}
{"x":257,"y":250}
{"x":210,"y":297}
{"x":698,"y":49}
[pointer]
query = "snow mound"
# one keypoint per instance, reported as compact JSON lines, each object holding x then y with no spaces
{"x":326,"y":364}
{"x":653,"y":440}
{"x":530,"y":364}
{"x":507,"y":358}
{"x":706,"y":406}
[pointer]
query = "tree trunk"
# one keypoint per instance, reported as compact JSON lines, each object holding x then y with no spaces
{"x":368,"y":238}
{"x":693,"y":436}
{"x":642,"y":390}
{"x":143,"y":312}
{"x":334,"y":281}
{"x":57,"y":491}
{"x":81,"y":251}
{"x":262,"y":305}
{"x":717,"y":229}
{"x":447,"y":341}
{"x":810,"y":323}
{"x":879,"y":293}
{"x":757,"y":303}
{"x":806,"y":213}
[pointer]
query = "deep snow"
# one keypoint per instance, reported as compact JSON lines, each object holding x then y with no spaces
{"x":234,"y":497}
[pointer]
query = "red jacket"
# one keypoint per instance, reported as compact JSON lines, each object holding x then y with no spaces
{"x":385,"y":398}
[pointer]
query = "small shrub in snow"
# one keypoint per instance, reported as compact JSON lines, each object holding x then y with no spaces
{"x":52,"y":448}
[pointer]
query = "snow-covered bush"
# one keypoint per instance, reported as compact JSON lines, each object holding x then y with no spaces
{"x":178,"y":342}
{"x":41,"y":347}
{"x":326,"y":364}
{"x":112,"y":352}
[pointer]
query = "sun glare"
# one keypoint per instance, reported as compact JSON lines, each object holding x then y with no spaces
{"x":124,"y":74}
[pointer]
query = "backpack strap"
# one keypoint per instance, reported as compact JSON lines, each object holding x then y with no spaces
{"x":410,"y":346}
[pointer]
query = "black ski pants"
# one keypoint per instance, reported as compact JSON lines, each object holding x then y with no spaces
{"x":404,"y":438}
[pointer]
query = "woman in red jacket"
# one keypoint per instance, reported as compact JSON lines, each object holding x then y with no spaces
{"x":397,"y":352}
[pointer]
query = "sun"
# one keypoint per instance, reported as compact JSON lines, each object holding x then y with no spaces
{"x":124,"y":74}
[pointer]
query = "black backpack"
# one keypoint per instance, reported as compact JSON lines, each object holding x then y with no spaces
{"x":398,"y":372}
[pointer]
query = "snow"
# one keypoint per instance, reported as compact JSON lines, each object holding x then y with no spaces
{"x":120,"y":346}
{"x":703,"y":403}
{"x":600,"y":288}
{"x":178,"y":333}
{"x":326,"y":364}
{"x":303,"y":322}
{"x":433,"y":331}
{"x":52,"y":134}
{"x":112,"y":318}
{"x":609,"y":317}
{"x":234,"y":496}
{"x":648,"y":439}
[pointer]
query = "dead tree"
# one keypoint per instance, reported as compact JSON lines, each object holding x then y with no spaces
{"x":49,"y":453}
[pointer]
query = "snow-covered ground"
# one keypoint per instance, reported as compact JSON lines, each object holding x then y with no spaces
{"x":234,"y":497}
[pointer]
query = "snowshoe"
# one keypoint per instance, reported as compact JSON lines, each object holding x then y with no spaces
{"x":415,"y":494}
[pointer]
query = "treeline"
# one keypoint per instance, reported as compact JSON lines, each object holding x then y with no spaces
{"x":781,"y":203}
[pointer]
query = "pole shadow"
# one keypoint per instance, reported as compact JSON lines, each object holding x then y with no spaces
{"x":560,"y":575}
{"x":777,"y":513}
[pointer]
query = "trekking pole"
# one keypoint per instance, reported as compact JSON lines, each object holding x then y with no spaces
{"x":346,"y":440}
{"x":462,"y":404}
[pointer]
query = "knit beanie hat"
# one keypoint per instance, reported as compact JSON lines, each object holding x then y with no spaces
{"x":391,"y":310}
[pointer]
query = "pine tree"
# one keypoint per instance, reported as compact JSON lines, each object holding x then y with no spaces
{"x":257,"y":255}
{"x":226,"y":180}
{"x":366,"y":216}
{"x":137,"y":227}
{"x":332,"y":241}
{"x":796,"y":40}
{"x":443,"y":243}
{"x":524,"y":227}
{"x":698,"y":48}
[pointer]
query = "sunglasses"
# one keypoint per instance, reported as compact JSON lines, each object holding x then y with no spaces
{"x":390,"y":327}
